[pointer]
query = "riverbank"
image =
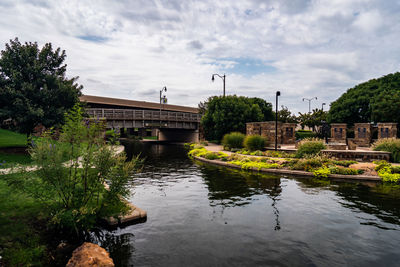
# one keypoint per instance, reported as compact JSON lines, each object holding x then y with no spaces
{"x":292,"y":172}
{"x":311,"y":167}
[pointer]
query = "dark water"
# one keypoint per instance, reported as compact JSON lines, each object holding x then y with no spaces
{"x":201,"y":215}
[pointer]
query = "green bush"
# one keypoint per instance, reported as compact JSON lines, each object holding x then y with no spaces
{"x":345,"y":171}
{"x":310,"y":146}
{"x":303,"y":134}
{"x":72,"y":173}
{"x":233,"y":140}
{"x":390,"y":145}
{"x":254,"y":142}
{"x":322,"y":172}
{"x":344,"y":163}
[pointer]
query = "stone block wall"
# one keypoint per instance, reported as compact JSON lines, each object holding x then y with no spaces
{"x":286,"y":131}
{"x":338,"y":132}
{"x":253,"y":128}
{"x":387,"y":130}
{"x":362,"y":134}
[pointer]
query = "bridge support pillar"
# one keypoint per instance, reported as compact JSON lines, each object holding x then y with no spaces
{"x":178,"y":135}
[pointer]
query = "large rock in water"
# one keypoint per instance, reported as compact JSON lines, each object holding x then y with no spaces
{"x":90,"y":254}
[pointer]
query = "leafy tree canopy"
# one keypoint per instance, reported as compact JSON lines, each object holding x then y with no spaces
{"x":375,"y":100}
{"x":312,"y":119}
{"x":285,"y":115}
{"x":227,"y":114}
{"x":34,"y":88}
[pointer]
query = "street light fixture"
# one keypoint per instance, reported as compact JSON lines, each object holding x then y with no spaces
{"x":222,"y":77}
{"x":309,"y":102}
{"x":162,"y":98}
{"x":278,"y":93}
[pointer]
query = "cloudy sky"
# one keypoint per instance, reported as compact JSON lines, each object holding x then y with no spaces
{"x":131,"y":49}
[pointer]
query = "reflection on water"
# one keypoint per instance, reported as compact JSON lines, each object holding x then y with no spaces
{"x":201,"y":215}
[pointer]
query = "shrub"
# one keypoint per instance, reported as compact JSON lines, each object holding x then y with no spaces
{"x":112,"y":137}
{"x":390,"y":145}
{"x":322,"y":172}
{"x":211,"y":156}
{"x":303,"y":134}
{"x":345,"y":171}
{"x":254,"y":142}
{"x":387,"y":176}
{"x":233,"y":140}
{"x":344,"y":163}
{"x":197,"y":152}
{"x":310,"y":147}
{"x":72,"y":173}
{"x":257,"y":153}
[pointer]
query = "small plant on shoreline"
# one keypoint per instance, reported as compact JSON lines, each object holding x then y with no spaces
{"x":233,"y":140}
{"x":254,"y":142}
{"x":387,"y":171}
{"x":310,"y":146}
{"x":73,"y":174}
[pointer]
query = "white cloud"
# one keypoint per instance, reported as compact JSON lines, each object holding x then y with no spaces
{"x":129,"y":49}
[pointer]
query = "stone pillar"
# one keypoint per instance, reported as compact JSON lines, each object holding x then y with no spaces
{"x":387,"y":130}
{"x":338,"y":132}
{"x":288,"y":133}
{"x":362,"y":134}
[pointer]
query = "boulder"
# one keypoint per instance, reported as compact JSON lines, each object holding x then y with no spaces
{"x":90,"y":254}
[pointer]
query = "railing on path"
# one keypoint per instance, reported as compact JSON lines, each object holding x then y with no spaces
{"x":142,"y":115}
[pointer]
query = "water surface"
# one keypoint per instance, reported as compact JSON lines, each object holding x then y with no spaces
{"x":201,"y":215}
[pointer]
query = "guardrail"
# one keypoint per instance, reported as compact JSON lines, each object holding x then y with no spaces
{"x":142,"y":115}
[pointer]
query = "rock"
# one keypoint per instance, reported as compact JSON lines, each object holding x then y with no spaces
{"x":90,"y":254}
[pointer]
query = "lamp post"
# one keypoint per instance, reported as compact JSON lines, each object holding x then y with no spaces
{"x":164,"y":89}
{"x":309,"y":102}
{"x":278,"y":93}
{"x":161,"y":96}
{"x":223,"y":80}
{"x":323,"y":104}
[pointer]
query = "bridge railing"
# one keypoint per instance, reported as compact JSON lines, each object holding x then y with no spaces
{"x":134,"y":114}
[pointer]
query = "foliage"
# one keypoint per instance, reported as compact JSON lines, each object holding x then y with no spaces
{"x":322,"y":172}
{"x":345,"y":171}
{"x":254,"y":142}
{"x":388,"y":176}
{"x":390,"y":145}
{"x":34,"y":86}
{"x":12,"y":139}
{"x":344,"y":163}
{"x":285,"y":115}
{"x":257,"y":153}
{"x":72,"y":175}
{"x":233,"y":140}
{"x":375,"y":100}
{"x":112,"y":137}
{"x":231,"y":113}
{"x":303,"y":134}
{"x":20,"y":226}
{"x":8,"y":160}
{"x":309,"y":146}
{"x":312,"y":119}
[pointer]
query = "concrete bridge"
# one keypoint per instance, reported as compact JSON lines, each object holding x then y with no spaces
{"x":167,"y":122}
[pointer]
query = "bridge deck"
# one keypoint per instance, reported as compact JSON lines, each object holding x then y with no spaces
{"x":133,"y":118}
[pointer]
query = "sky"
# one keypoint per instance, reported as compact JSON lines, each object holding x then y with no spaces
{"x":132,"y":49}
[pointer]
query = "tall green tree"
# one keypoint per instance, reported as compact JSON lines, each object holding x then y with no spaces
{"x":34,"y":88}
{"x":285,"y":115}
{"x":227,"y":114}
{"x":374,"y":100}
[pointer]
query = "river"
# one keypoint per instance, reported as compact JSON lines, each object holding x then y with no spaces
{"x":201,"y":215}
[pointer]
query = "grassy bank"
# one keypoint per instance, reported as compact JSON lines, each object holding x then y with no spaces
{"x":11,"y":139}
{"x":21,"y":228}
{"x":10,"y":160}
